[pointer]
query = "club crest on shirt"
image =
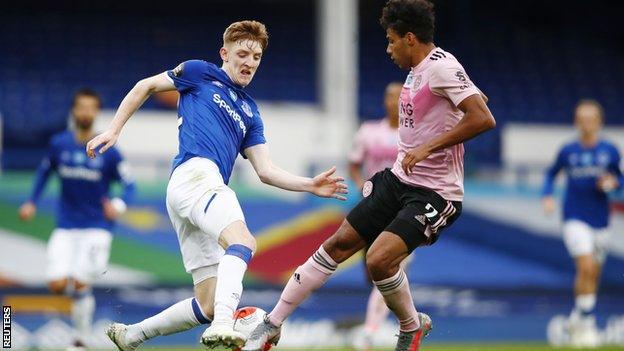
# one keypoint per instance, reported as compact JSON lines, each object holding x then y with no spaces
{"x":178,"y":70}
{"x":247,"y":109}
{"x":367,"y":189}
{"x":79,"y":157}
{"x":603,"y":159}
{"x":417,"y":82}
{"x":233,"y":95}
{"x":409,"y":80}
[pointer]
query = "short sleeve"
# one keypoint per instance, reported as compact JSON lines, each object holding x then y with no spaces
{"x":358,"y":148}
{"x":119,"y":168}
{"x":254,"y":136}
{"x":449,"y":79}
{"x":187,"y":75}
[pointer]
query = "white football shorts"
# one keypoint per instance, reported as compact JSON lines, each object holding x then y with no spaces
{"x":79,"y":254}
{"x":581,"y":239}
{"x":200,"y":207}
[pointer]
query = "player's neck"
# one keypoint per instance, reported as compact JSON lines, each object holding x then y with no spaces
{"x":589,"y":140}
{"x":420,"y":52}
{"x":83,"y":135}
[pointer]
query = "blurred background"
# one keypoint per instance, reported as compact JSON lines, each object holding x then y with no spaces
{"x":501,"y":273}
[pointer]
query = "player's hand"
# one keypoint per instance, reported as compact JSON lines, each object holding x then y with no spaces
{"x":414,"y":156}
{"x":549,"y":205}
{"x":110,"y":212}
{"x":27,"y":211}
{"x":327,"y":185}
{"x":106,"y":139}
{"x":608,"y":182}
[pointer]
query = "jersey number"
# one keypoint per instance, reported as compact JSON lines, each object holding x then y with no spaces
{"x":433,"y":212}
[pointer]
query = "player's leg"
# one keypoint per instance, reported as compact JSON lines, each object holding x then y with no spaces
{"x":188,"y":313}
{"x":377,"y":311}
{"x":308,"y":277}
{"x":383,"y":263}
{"x":580,"y":242}
{"x":419,"y":222}
{"x":316,"y":270}
{"x":361,"y":226}
{"x":92,"y":251}
{"x":59,"y":261}
{"x":182,"y":316}
{"x":62,"y":254}
{"x":219,"y":216}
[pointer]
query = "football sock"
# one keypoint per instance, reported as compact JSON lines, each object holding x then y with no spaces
{"x":182,"y":316}
{"x":229,"y":288}
{"x":307,"y":278}
{"x":584,"y":305}
{"x":396,"y":293}
{"x":376,"y":311}
{"x":82,"y":310}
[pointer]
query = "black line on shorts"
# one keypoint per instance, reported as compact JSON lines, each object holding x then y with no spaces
{"x":209,"y":201}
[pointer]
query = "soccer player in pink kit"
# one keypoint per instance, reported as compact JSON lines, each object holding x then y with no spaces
{"x":375,"y":143}
{"x":375,"y":147}
{"x":407,"y":206}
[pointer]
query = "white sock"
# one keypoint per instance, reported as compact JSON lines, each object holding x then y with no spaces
{"x":182,"y":316}
{"x":584,"y":305}
{"x":229,"y":288}
{"x":83,"y":307}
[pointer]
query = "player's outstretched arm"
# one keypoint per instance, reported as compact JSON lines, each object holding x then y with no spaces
{"x":323,"y":185}
{"x":477,"y":119}
{"x":129,"y":105}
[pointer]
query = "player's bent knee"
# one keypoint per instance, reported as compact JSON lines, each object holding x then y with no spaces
{"x":237,"y":233}
{"x":58,"y":287}
{"x":79,"y":286}
{"x":344,"y":243}
{"x":380,"y":265}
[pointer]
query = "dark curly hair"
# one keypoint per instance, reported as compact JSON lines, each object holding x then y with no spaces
{"x":403,"y":16}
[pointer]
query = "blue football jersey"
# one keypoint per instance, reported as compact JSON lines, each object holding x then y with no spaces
{"x":217,"y":119}
{"x":583,"y":166}
{"x":84,"y":182}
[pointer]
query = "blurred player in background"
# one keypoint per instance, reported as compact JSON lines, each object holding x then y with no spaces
{"x":79,"y":247}
{"x":407,"y":206}
{"x":375,"y":147}
{"x":591,"y":165}
{"x":217,"y":121}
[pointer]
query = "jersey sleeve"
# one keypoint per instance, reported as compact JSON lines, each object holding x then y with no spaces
{"x":120,"y":172}
{"x":449,"y":79}
{"x":47,"y":165}
{"x":254,"y":136}
{"x":358,"y":148}
{"x":551,"y":173}
{"x":187,"y":75}
{"x":615,"y":167}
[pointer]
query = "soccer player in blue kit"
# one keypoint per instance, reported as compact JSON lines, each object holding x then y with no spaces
{"x":79,"y":247}
{"x":217,"y":120}
{"x":591,"y":165}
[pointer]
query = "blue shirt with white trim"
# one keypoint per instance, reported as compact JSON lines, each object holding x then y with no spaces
{"x":217,"y":119}
{"x":85,"y":183}
{"x":583,"y":166}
